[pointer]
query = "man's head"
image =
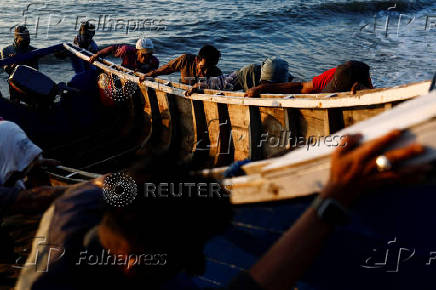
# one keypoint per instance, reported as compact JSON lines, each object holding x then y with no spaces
{"x":86,"y":33}
{"x":359,"y":72}
{"x":175,"y":224}
{"x":21,"y":37}
{"x":144,"y":48}
{"x":275,"y":70}
{"x":208,"y":57}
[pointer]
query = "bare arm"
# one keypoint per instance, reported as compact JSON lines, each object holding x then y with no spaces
{"x":274,"y":88}
{"x":163,"y":70}
{"x":308,"y":88}
{"x":103,"y":52}
{"x":353,"y":170}
{"x":288,"y":259}
{"x":172,"y":67}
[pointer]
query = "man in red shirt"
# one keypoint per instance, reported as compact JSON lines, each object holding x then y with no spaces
{"x":351,"y":76}
{"x":321,"y":81}
{"x":139,"y":59}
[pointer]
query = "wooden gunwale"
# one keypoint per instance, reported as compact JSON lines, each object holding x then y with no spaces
{"x":218,"y":127}
{"x":319,"y":101}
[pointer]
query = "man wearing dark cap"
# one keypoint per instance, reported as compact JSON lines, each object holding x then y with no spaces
{"x":21,"y":45}
{"x":84,"y":40}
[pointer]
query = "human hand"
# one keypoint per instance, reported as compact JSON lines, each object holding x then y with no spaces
{"x":10,"y":68}
{"x":355,"y":88}
{"x":358,"y":87}
{"x":93,"y":57}
{"x":195,"y":89}
{"x":143,"y":77}
{"x":252,"y":93}
{"x":46,"y":163}
{"x":354,"y":169}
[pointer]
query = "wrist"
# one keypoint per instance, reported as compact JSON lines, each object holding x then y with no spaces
{"x":343,"y":196}
{"x":330,"y":211}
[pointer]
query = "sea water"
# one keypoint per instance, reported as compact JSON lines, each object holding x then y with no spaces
{"x":396,"y":38}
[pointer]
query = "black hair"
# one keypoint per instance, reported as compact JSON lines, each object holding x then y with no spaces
{"x":87,"y":27}
{"x":210,"y":53}
{"x":20,"y":29}
{"x":21,"y":32}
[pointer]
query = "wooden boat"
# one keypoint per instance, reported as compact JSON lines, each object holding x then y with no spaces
{"x":256,"y":226}
{"x":265,"y":207}
{"x":305,"y":172}
{"x":216,"y":128}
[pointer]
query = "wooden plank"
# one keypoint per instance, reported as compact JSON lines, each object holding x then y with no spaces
{"x":341,"y":100}
{"x":302,"y":173}
{"x":202,"y":147}
{"x":217,"y":133}
{"x":293,"y":116}
{"x":240,"y":135}
{"x":275,"y":133}
{"x":355,"y":115}
{"x":362,"y":98}
{"x":335,"y":121}
{"x":166,"y":124}
{"x":312,"y":122}
{"x":152,"y":111}
{"x":311,"y":177}
{"x":255,"y":131}
{"x":185,"y":129}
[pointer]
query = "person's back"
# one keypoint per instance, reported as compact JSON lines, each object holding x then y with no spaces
{"x":248,"y":77}
{"x":272,"y":70}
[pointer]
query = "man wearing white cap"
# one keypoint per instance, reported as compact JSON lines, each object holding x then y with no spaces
{"x":139,"y":58}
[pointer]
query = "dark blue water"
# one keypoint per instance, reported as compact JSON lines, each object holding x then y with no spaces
{"x":311,"y":35}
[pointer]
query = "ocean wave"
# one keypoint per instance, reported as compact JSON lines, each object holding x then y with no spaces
{"x":373,"y":6}
{"x":323,"y":8}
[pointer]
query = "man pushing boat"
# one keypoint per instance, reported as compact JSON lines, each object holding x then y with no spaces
{"x":351,"y":76}
{"x":272,"y":70}
{"x":191,"y":66}
{"x":139,"y":58}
